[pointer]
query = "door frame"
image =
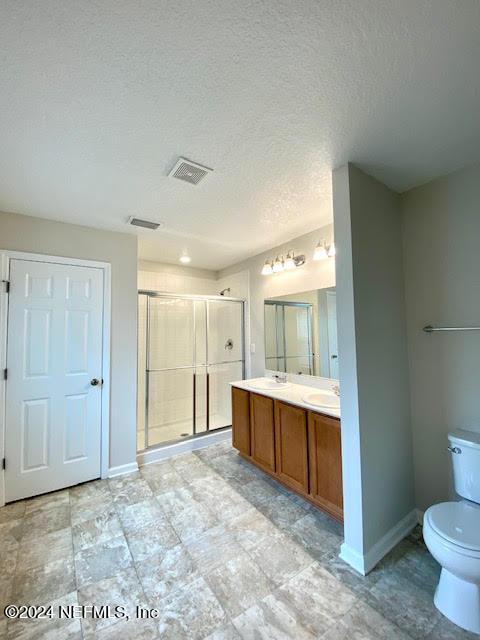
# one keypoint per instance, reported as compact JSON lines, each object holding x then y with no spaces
{"x":105,"y":267}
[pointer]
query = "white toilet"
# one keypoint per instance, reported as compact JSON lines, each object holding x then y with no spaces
{"x":452,"y":534}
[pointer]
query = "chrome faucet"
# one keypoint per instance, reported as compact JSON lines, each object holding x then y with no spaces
{"x":280,"y":377}
{"x":336,"y":389}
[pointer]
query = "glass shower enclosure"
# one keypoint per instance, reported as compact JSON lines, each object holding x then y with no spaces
{"x":288,"y":337}
{"x":190,"y":349}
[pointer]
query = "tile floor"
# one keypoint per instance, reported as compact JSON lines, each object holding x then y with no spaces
{"x":221,"y":550}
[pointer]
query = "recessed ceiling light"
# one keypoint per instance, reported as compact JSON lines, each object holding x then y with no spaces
{"x":185,"y":259}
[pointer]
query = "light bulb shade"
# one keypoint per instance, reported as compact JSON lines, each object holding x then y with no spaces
{"x":267,"y":269}
{"x":185,"y":259}
{"x":278,"y":265}
{"x":289,"y":261}
{"x":332,"y":251}
{"x":320,"y":252}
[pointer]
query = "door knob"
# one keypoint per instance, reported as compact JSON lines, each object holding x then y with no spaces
{"x":95,"y":382}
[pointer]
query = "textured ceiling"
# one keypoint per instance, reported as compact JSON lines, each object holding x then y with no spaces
{"x":97,"y":99}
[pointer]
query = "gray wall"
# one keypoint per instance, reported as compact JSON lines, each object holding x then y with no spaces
{"x":312,"y":275}
{"x":376,"y":433}
{"x":35,"y":235}
{"x":442,"y":276}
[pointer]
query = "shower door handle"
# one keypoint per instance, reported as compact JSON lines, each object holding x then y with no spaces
{"x":194,"y":421}
{"x":208,"y":401}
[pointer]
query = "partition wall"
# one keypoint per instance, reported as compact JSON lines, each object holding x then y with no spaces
{"x":190,"y":349}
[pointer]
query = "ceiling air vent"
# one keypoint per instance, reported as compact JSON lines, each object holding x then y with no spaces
{"x":189,"y":171}
{"x":145,"y":224}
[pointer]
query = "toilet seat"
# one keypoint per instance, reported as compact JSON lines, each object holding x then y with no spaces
{"x":457,"y":523}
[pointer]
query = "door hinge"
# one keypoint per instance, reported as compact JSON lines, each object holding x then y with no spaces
{"x":4,"y":464}
{"x":7,"y":286}
{"x":5,"y":374}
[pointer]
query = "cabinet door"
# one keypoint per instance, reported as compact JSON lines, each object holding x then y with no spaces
{"x":262,"y":431}
{"x":241,"y":420}
{"x":291,"y":446}
{"x":325,"y":452}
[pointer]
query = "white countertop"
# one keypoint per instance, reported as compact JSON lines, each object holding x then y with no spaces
{"x":293,"y":394}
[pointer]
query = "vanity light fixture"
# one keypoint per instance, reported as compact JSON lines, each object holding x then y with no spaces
{"x":323,"y":251}
{"x":267,"y":268}
{"x":320,"y":252}
{"x":289,"y":261}
{"x":278,"y":265}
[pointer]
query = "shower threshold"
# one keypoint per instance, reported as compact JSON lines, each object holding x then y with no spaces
{"x":177,"y":431}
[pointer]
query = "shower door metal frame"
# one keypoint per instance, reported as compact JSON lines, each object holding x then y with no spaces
{"x":305,"y":305}
{"x":195,"y":298}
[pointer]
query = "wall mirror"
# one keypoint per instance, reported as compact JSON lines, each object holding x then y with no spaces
{"x":301,"y":333}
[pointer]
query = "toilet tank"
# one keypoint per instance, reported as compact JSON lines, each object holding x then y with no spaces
{"x":465,"y":453}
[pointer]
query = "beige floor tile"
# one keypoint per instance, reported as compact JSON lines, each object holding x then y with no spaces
{"x":239,"y":584}
{"x":138,"y":515}
{"x":251,"y":527}
{"x":318,"y":598}
{"x":84,"y":510}
{"x":102,"y":560}
{"x":280,"y":558}
{"x":151,"y":540}
{"x":228,"y":632}
{"x":130,"y":489}
{"x":271,"y":619}
{"x":160,"y":575}
{"x":88,"y":491}
{"x":129,"y":630}
{"x":213,"y":548}
{"x":35,"y":551}
{"x":363,"y":622}
{"x":48,"y":629}
{"x":191,"y":523}
{"x":40,"y":522}
{"x":124,"y":590}
{"x":191,"y":613}
{"x":11,"y":530}
{"x":48,"y":501}
{"x":13,"y":511}
{"x":44,"y":583}
{"x":97,"y":530}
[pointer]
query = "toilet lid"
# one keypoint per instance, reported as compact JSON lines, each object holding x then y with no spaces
{"x":458,"y":522}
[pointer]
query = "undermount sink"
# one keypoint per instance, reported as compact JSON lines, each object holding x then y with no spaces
{"x":268,"y":384}
{"x":325,"y":399}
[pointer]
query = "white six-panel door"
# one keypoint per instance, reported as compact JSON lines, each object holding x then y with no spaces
{"x":54,"y":352}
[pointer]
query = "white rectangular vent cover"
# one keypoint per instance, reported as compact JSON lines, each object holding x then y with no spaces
{"x":145,"y":224}
{"x":189,"y":171}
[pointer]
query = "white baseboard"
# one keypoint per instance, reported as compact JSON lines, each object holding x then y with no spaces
{"x":366,"y":562}
{"x":353,"y":558}
{"x":170,"y":450}
{"x":122,"y":469}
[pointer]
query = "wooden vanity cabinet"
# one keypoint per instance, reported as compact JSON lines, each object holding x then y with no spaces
{"x":291,"y":446}
{"x":299,"y":448}
{"x":262,"y":430}
{"x":325,"y":463}
{"x":241,"y":420}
